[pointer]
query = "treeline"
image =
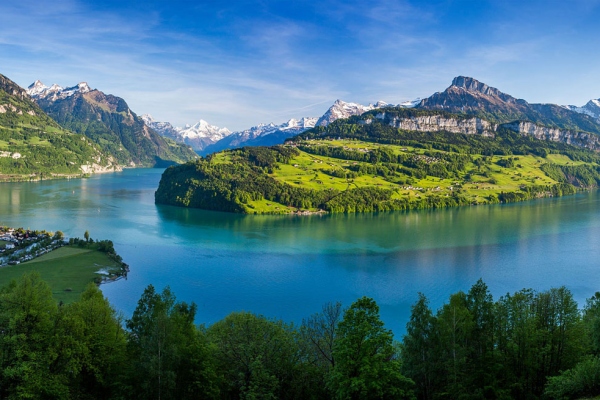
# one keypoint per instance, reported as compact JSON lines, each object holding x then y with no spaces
{"x":108,"y":122}
{"x":527,"y":345}
{"x":84,"y":350}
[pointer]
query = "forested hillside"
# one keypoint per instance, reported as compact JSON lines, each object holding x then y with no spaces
{"x":366,"y":163}
{"x":108,"y":121}
{"x":33,"y":146}
{"x":525,"y":345}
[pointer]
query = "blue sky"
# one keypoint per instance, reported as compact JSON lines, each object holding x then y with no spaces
{"x":240,"y":63}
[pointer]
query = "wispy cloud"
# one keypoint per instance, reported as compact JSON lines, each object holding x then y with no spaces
{"x":241,"y":63}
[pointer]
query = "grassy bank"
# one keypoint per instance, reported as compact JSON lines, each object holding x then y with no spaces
{"x":67,"y":270}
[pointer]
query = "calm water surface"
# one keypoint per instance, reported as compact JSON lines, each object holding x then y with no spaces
{"x":288,"y":267}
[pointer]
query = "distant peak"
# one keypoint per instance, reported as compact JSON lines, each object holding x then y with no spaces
{"x":84,"y":87}
{"x":473,"y":85}
{"x":469,"y":83}
{"x":36,"y":84}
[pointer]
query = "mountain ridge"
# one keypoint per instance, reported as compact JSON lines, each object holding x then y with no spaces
{"x":34,"y":146}
{"x":108,"y":121}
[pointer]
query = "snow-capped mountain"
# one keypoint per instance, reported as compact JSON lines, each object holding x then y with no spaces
{"x":107,"y":120}
{"x":198,"y":136}
{"x":203,"y":129}
{"x":38,"y":90}
{"x":341,"y":109}
{"x":409,"y":104}
{"x":293,"y":127}
{"x":263,"y":134}
{"x":162,"y":128}
{"x":205,"y":138}
{"x":592,"y":108}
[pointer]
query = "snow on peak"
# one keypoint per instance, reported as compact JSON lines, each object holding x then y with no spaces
{"x":410,"y":103}
{"x":591,"y":108}
{"x":38,"y":90}
{"x":203,"y":129}
{"x":148,"y":119}
{"x":341,"y":109}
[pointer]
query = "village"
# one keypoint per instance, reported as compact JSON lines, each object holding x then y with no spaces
{"x":20,"y":245}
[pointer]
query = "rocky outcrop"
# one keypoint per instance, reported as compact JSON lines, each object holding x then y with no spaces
{"x":435,"y":123}
{"x":575,"y":138}
{"x":471,"y":125}
{"x":99,"y":169}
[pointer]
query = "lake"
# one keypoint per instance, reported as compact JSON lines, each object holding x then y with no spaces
{"x":289,"y":266}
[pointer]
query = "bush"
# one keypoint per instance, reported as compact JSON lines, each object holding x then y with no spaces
{"x":581,"y":381}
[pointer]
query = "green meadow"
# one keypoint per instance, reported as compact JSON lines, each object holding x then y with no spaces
{"x":68,"y":270}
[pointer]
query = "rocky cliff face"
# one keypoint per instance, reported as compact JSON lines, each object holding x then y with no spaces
{"x":477,"y":126}
{"x":575,"y":138}
{"x":435,"y":123}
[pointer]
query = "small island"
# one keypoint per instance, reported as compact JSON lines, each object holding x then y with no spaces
{"x":67,"y":265}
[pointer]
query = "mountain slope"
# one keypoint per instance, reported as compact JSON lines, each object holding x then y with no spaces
{"x":33,"y":145}
{"x":108,"y":121}
{"x":469,"y":96}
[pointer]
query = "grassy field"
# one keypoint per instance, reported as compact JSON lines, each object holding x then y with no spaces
{"x":477,"y":183}
{"x":67,"y":270}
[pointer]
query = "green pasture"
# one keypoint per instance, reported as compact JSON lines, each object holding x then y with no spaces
{"x":67,"y":270}
{"x":478,"y":183}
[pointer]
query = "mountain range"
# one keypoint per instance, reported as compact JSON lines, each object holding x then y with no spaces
{"x":109,"y":122}
{"x":470,"y":144}
{"x":465,"y":95}
{"x":41,"y":125}
{"x":205,"y":138}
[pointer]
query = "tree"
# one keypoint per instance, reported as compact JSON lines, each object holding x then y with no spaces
{"x":169,"y":359}
{"x":86,"y":235}
{"x":28,"y":351}
{"x":591,"y":319}
{"x":59,"y":235}
{"x":455,"y":325}
{"x":366,"y":366}
{"x":318,"y":332}
{"x":96,"y":329}
{"x":419,"y":359}
{"x":259,"y":356}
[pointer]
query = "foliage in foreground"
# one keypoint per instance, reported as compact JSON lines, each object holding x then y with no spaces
{"x":526,"y":345}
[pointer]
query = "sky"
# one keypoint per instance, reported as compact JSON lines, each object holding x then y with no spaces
{"x":236,"y":64}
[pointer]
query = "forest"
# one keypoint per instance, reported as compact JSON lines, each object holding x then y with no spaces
{"x":525,"y":345}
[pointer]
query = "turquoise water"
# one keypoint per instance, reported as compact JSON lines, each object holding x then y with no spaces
{"x":289,"y":266}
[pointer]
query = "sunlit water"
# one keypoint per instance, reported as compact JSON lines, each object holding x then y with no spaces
{"x":289,"y":266}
